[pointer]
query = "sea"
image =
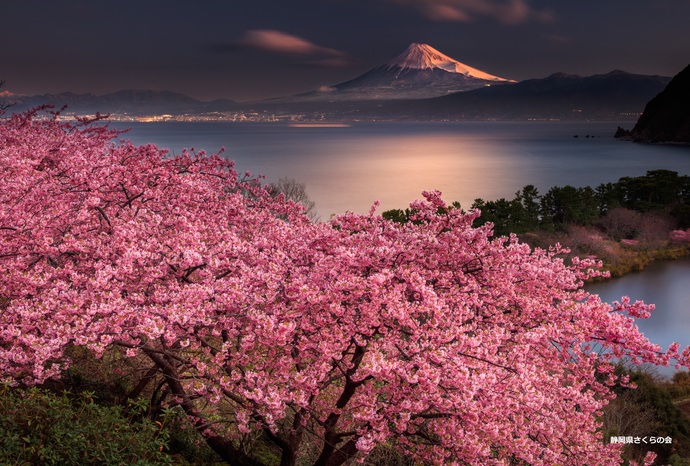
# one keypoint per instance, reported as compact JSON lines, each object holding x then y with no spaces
{"x":350,"y":167}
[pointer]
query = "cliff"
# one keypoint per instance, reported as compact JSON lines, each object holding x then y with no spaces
{"x":666,"y":118}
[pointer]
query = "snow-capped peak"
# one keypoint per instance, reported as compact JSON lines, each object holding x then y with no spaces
{"x":425,"y":57}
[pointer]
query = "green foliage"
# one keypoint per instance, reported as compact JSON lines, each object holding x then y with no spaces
{"x":502,"y":213}
{"x":659,"y":191}
{"x":40,"y":427}
{"x":185,"y":444}
{"x":649,"y":410}
{"x":404,"y":216}
{"x":397,"y":215}
{"x":520,"y":215}
{"x":569,"y":205}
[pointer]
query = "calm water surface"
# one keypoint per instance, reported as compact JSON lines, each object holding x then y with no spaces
{"x":350,"y":168}
{"x":667,"y":286}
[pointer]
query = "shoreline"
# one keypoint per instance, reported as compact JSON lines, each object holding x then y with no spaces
{"x":638,"y":262}
{"x":618,"y":259}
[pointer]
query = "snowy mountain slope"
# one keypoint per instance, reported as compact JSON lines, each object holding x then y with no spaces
{"x":425,"y":57}
{"x":419,"y":72}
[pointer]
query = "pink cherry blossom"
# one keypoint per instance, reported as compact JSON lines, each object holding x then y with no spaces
{"x":432,"y":337}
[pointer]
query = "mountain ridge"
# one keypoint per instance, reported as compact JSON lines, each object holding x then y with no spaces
{"x":424,"y":57}
{"x":419,"y":72}
{"x":616,"y":95}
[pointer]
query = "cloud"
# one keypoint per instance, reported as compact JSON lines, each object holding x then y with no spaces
{"x":505,"y":11}
{"x":268,"y":40}
{"x":283,"y":43}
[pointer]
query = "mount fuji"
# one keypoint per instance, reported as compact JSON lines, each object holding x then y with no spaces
{"x":419,"y":72}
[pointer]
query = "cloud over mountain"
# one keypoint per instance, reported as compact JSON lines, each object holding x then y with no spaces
{"x":281,"y":42}
{"x":299,"y":51}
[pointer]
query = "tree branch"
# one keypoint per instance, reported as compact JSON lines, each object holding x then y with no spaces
{"x":221,"y":446}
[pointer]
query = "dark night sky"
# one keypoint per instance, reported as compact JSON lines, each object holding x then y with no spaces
{"x":245,"y":50}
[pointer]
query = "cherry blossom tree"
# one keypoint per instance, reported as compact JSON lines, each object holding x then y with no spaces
{"x":680,"y":236}
{"x":326,"y":339}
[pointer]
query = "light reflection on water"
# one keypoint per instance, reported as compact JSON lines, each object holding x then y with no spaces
{"x":396,"y":169}
{"x":349,"y":168}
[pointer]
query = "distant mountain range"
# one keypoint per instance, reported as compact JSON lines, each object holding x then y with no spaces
{"x":126,"y":102}
{"x":615,"y":95}
{"x":419,"y":84}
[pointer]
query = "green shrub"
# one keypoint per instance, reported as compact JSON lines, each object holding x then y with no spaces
{"x":185,"y":444}
{"x":40,"y":427}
